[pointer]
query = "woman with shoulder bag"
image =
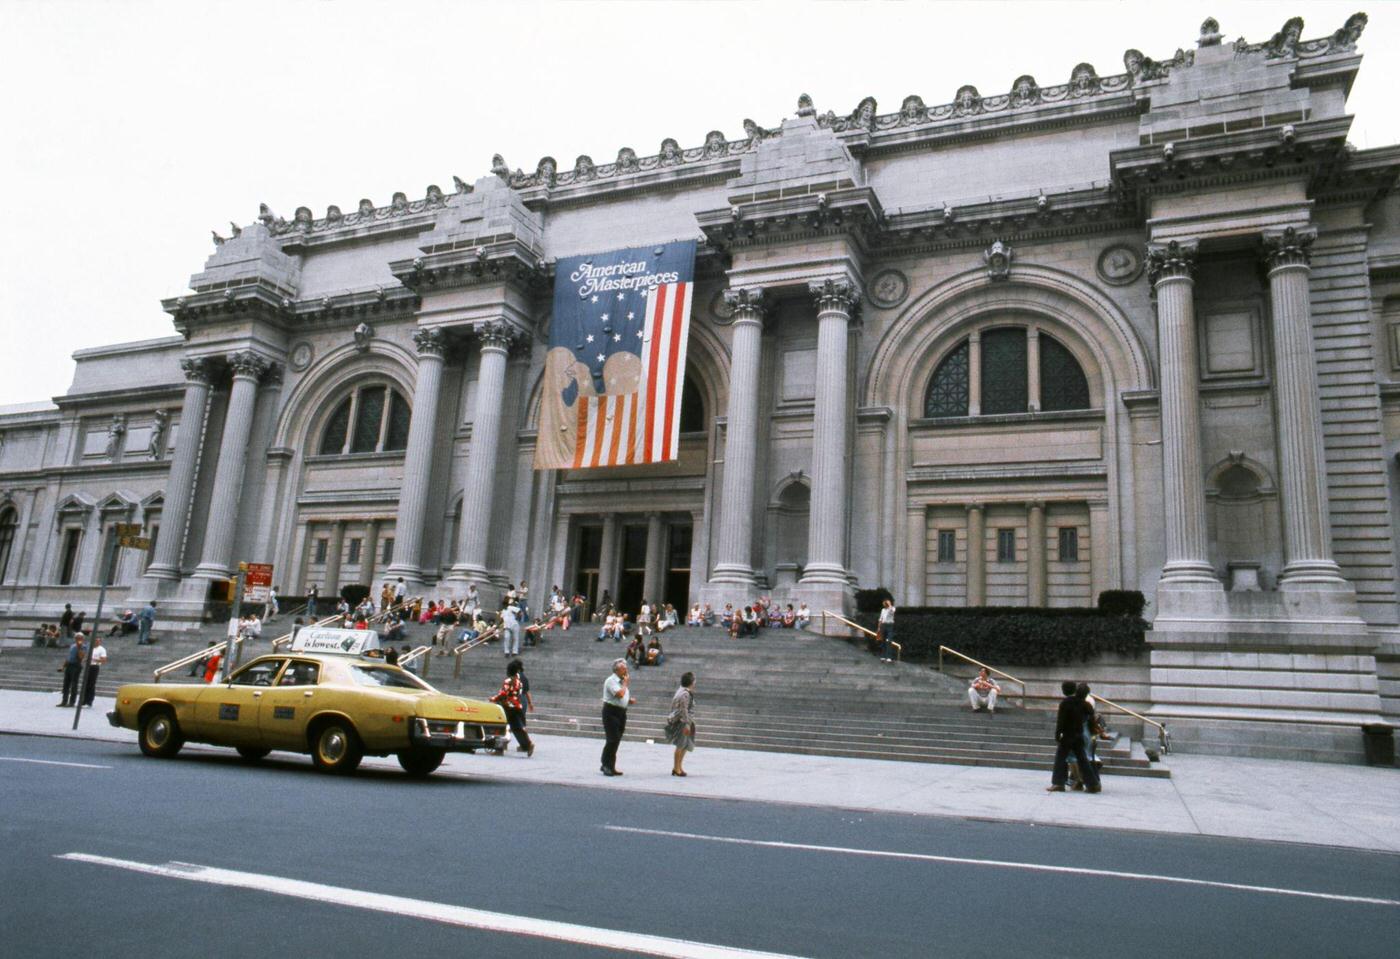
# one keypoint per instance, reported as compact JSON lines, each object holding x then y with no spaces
{"x":680,"y":724}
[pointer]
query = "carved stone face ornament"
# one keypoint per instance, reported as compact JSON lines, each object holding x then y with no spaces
{"x":998,"y":259}
{"x":1024,"y":92}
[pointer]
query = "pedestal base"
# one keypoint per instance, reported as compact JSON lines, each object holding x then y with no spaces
{"x":833,"y":597}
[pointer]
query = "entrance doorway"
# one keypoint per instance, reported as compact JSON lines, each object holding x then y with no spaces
{"x":676,"y":588}
{"x":588,"y":563}
{"x":631,"y":578}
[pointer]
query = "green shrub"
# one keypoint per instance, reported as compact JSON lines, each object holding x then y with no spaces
{"x":1123,"y":602}
{"x":1006,"y":636}
{"x":870,"y":600}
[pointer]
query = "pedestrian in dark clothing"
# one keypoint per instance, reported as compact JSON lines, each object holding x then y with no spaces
{"x":1073,"y":713}
{"x":73,"y":671}
{"x":512,"y":699}
{"x":65,"y":622}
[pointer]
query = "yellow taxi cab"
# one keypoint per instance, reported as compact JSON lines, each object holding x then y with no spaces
{"x":324,"y":697}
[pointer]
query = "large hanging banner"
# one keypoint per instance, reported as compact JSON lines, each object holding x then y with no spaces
{"x":616,"y":364}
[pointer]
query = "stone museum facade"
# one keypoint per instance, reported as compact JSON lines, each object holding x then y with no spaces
{"x":1128,"y":331}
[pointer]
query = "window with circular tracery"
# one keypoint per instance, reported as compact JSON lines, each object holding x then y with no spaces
{"x":372,"y":419}
{"x":1001,"y":362}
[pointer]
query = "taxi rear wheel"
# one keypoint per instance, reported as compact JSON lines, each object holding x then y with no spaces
{"x":335,"y":748}
{"x":160,"y":734}
{"x":252,"y":754}
{"x":421,"y":762}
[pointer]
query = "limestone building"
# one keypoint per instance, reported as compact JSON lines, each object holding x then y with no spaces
{"x":1138,"y":330}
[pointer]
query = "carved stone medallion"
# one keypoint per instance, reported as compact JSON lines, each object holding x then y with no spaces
{"x":719,"y":309}
{"x":1119,"y":265}
{"x":888,"y":289}
{"x":300,"y":356}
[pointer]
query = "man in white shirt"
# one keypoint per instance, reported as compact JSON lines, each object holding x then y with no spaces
{"x":804,"y":616}
{"x":510,"y":629}
{"x":97,"y":658}
{"x":616,"y":698}
{"x":983,"y":692}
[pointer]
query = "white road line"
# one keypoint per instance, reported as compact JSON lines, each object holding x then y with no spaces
{"x":50,"y":762}
{"x":1002,"y":864}
{"x":623,"y":941}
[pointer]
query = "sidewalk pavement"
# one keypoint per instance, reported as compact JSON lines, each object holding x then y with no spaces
{"x":1325,"y":804}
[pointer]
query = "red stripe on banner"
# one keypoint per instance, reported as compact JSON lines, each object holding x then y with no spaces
{"x":653,"y":361}
{"x":600,"y":419}
{"x":683,"y":334}
{"x":581,"y":439}
{"x":672,"y":392}
{"x":616,"y":403}
{"x":632,"y":429}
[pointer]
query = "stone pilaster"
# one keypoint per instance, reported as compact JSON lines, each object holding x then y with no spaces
{"x":1187,"y":563}
{"x":418,"y":459}
{"x":976,"y":555}
{"x":916,"y":556}
{"x":495,"y":340}
{"x":248,"y":368}
{"x":179,"y":490}
{"x":1036,"y":578}
{"x":733,"y":573}
{"x":654,"y":578}
{"x":369,"y":557}
{"x":608,"y":558}
{"x":1302,"y":474}
{"x":974,"y":373}
{"x":831,"y":436}
{"x":1033,"y":370}
{"x":330,"y":589}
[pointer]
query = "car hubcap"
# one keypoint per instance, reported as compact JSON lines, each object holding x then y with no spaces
{"x":159,"y":732}
{"x":332,"y":745}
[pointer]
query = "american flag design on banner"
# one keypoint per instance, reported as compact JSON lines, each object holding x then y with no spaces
{"x":616,"y":363}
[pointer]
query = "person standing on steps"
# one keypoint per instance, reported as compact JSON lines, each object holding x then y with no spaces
{"x":97,"y":658}
{"x":680,"y":724}
{"x":511,"y":698}
{"x":65,"y":622}
{"x":313,"y":593}
{"x":1069,"y":738}
{"x":144,"y":621}
{"x":616,"y":699}
{"x":886,"y":631}
{"x":73,"y":670}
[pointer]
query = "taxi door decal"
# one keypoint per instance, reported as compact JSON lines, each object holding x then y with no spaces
{"x":284,"y":712}
{"x":228,"y":711}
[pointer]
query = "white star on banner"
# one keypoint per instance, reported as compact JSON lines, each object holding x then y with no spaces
{"x":600,"y":357}
{"x":605,"y":317}
{"x":617,"y":337}
{"x":639,"y":333}
{"x":588,"y":338}
{"x":595,"y":299}
{"x":631,"y":316}
{"x":620,"y":295}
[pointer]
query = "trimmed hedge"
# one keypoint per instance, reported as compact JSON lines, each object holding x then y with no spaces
{"x":1123,"y":602}
{"x":870,"y":600}
{"x":1016,"y":635}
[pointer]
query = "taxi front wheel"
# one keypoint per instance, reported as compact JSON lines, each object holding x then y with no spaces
{"x":160,"y":735}
{"x":336,"y":749}
{"x":421,"y":761}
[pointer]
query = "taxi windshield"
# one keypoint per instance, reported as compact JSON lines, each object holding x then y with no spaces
{"x":386,"y":676}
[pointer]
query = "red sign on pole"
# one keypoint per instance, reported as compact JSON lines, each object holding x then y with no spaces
{"x":257,"y":582}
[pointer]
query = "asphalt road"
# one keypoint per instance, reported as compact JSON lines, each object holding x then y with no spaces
{"x":747,"y":876}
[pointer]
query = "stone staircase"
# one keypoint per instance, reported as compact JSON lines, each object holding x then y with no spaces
{"x":784,"y":691}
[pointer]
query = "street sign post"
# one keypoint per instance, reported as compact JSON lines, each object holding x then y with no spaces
{"x":257,"y":582}
{"x":231,"y":645}
{"x":124,"y":536}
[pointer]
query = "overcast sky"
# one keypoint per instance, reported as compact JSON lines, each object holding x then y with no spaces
{"x":129,"y":130}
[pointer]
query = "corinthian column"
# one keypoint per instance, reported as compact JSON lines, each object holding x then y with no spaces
{"x":495,"y":340}
{"x":248,"y":368}
{"x":830,"y":435}
{"x":418,"y":459}
{"x":179,"y":490}
{"x":1187,"y":563}
{"x":1307,"y":546}
{"x":735,"y":546}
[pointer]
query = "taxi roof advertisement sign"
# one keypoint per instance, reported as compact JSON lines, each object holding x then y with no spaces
{"x":257,"y":582}
{"x":324,"y":639}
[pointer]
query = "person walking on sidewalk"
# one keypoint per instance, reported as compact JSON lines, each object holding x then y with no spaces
{"x":73,"y":670}
{"x":144,"y":621}
{"x":1069,"y":738}
{"x":97,"y":658}
{"x":511,"y":698}
{"x":680,"y":724}
{"x":616,"y":699}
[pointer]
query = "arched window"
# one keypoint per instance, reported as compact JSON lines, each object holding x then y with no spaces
{"x":372,"y":419}
{"x":947,"y":391}
{"x":8,"y":522}
{"x":692,"y":407}
{"x":1000,"y":363}
{"x":1063,"y":385}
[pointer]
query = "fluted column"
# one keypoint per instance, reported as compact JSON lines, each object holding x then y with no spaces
{"x":1307,"y":546}
{"x":831,"y":436}
{"x":976,"y":556}
{"x":654,"y":577}
{"x":418,"y":458}
{"x":608,"y":557}
{"x":735,"y":552}
{"x":370,"y":555}
{"x":330,"y":589}
{"x":495,"y":340}
{"x":1036,"y":590}
{"x":248,"y":368}
{"x":1187,"y":559}
{"x":179,"y":490}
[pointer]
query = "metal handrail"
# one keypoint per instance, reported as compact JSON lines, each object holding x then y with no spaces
{"x":898,"y":647}
{"x":416,"y":653}
{"x":160,"y":671}
{"x":1161,"y":727}
{"x":486,"y":636}
{"x":980,"y":665}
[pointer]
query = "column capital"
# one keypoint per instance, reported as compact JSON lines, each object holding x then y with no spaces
{"x":1288,"y":247}
{"x":746,"y":303}
{"x":498,"y":335}
{"x":248,"y":364}
{"x":1175,"y":259}
{"x":974,"y":507}
{"x":835,"y":295}
{"x":1036,"y":504}
{"x":430,"y":342}
{"x":198,"y":369}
